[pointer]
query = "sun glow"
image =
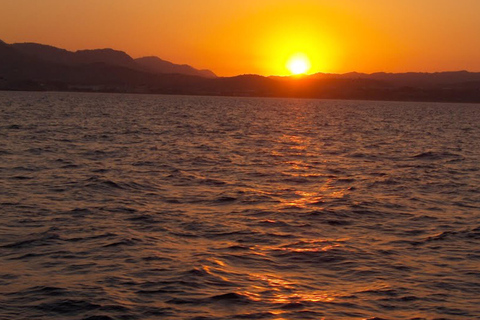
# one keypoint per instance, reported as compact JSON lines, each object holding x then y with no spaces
{"x":299,"y":64}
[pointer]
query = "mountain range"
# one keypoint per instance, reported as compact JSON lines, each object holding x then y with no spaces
{"x":32,"y":66}
{"x":49,"y":54}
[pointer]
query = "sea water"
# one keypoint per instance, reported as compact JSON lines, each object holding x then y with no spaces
{"x":122,"y":207}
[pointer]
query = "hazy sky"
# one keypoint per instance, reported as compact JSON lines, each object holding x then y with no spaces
{"x":257,"y":36}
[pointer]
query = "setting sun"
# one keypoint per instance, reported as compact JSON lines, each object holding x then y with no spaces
{"x":299,"y":64}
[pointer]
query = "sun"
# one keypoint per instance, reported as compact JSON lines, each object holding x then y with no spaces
{"x":298,"y":64}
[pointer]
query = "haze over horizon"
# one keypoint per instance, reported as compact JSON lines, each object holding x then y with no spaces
{"x":259,"y":38}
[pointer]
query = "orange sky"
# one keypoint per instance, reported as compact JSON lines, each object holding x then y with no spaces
{"x":233,"y":37}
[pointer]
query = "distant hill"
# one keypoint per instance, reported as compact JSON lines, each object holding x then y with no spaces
{"x":31,"y":66}
{"x":44,"y":52}
{"x":157,"y":65}
{"x":111,"y":57}
{"x":412,"y":79}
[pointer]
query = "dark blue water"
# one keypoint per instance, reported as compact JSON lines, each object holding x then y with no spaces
{"x":164,"y":207}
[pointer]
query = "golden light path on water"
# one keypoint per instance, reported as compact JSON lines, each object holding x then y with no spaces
{"x":283,"y":289}
{"x":298,"y":146}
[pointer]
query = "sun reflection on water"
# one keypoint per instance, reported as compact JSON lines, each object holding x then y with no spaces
{"x":300,"y":170}
{"x":281,"y":291}
{"x":326,"y":248}
{"x":304,"y":200}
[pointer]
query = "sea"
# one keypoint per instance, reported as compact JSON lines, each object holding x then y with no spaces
{"x":128,"y":206}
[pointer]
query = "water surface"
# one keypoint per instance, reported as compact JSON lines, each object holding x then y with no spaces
{"x":167,"y":207}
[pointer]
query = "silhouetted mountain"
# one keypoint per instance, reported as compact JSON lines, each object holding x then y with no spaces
{"x":30,"y":66}
{"x":45,"y":53}
{"x":411,"y":79}
{"x":106,"y":56}
{"x":8,"y":55}
{"x":157,"y":65}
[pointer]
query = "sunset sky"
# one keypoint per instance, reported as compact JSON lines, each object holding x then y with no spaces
{"x":260,"y":36}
